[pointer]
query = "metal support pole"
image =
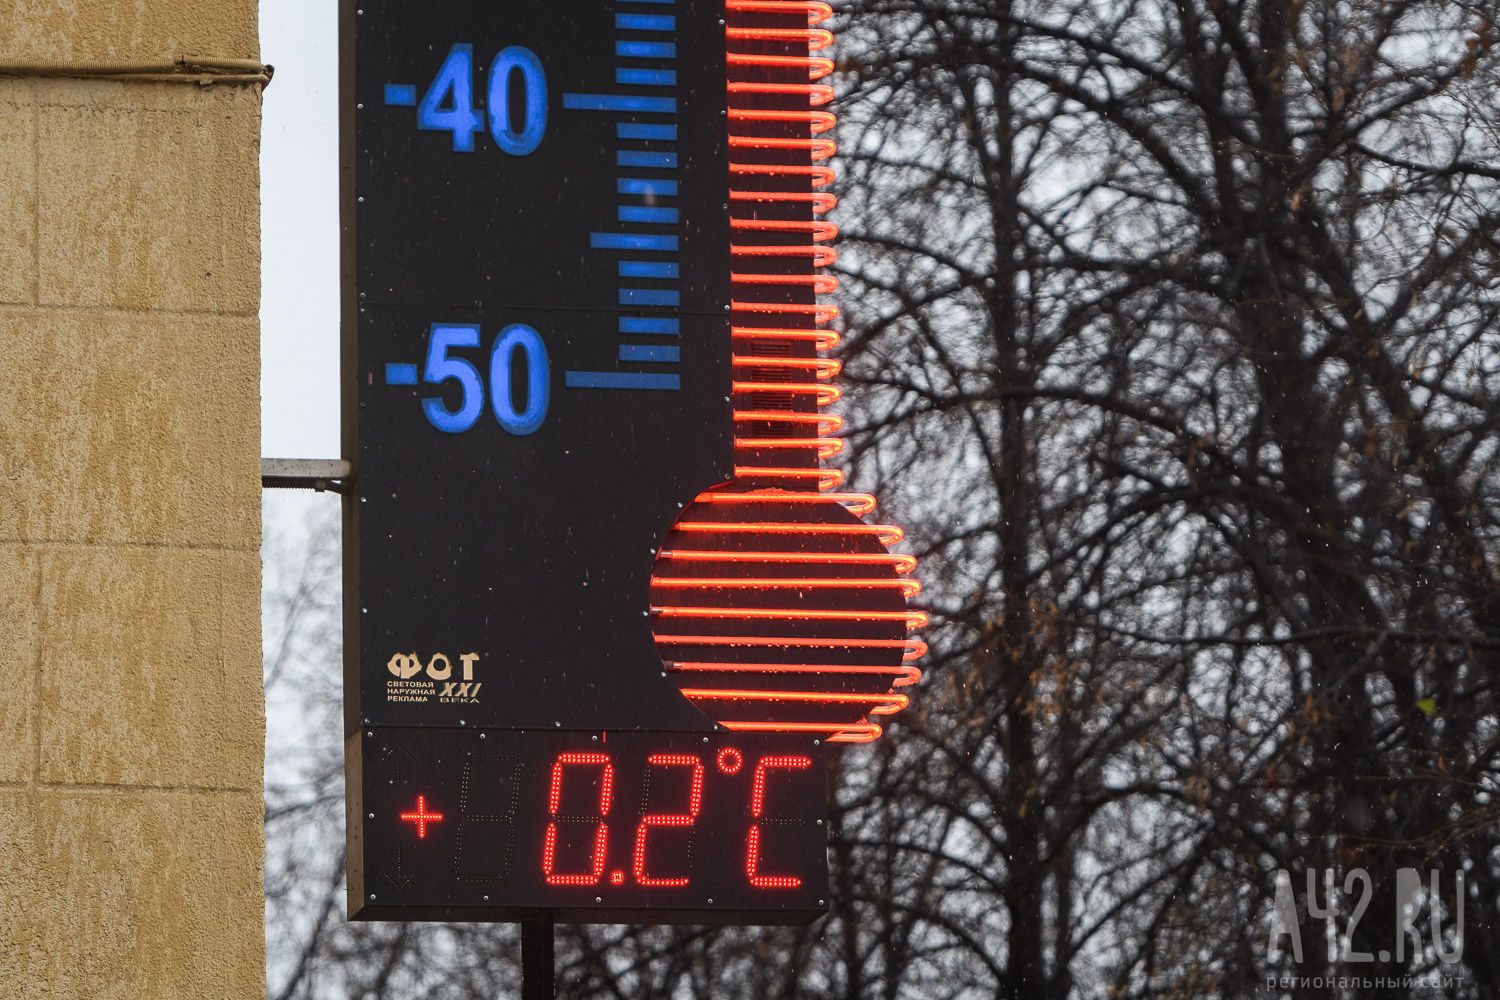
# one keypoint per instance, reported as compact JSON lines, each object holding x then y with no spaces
{"x":536,"y":959}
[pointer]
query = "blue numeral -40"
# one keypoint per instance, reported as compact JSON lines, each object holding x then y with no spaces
{"x":515,"y":341}
{"x":448,"y":104}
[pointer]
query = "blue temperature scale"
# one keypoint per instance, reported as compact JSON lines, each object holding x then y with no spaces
{"x":537,"y":365}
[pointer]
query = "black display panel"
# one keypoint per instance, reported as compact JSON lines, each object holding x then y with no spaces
{"x":537,"y":372}
{"x":541,"y":363}
{"x":613,"y":826}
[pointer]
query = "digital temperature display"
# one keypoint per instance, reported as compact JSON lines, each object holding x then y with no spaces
{"x":538,"y":361}
{"x":496,"y":824}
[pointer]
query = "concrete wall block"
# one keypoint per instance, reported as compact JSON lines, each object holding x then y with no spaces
{"x":120,"y":897}
{"x":131,"y":840}
{"x":19,"y":618}
{"x":126,"y":30}
{"x":17,"y":193}
{"x":150,"y":673}
{"x":142,"y":206}
{"x":123,"y":427}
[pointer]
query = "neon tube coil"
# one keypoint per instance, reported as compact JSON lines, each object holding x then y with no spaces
{"x":774,"y":605}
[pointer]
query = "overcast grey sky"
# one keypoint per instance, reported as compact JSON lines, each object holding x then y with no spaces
{"x":299,"y":310}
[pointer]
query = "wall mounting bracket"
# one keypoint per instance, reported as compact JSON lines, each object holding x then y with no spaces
{"x":305,"y":474}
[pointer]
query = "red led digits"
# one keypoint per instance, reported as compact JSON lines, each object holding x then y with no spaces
{"x":753,"y":861}
{"x":601,"y":834}
{"x":695,"y":799}
{"x":676,"y":770}
{"x":422,"y":817}
{"x":757,"y":802}
{"x":758,"y":794}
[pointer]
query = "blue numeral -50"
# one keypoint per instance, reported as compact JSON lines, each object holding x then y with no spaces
{"x":513,"y":340}
{"x":454,"y":84}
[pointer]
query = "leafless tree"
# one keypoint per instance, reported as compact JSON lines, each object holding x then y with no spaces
{"x":1176,"y":325}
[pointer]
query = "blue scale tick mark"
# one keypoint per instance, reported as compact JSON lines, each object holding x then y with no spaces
{"x":630,"y":241}
{"x":645,"y":22}
{"x":649,"y":324}
{"x":630,"y":130}
{"x":640,"y":213}
{"x":640,"y":352}
{"x":647,"y":269}
{"x":620,"y":380}
{"x":619,"y":102}
{"x":647,"y":77}
{"x":646,"y":50}
{"x":640,"y":158}
{"x":643,"y":186}
{"x":648,"y":297}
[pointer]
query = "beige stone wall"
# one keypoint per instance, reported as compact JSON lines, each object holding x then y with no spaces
{"x":131,"y":719}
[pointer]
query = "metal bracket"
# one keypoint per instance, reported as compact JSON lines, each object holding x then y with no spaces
{"x":305,"y":474}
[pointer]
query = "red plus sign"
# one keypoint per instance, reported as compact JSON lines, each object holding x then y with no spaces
{"x":421,"y":817}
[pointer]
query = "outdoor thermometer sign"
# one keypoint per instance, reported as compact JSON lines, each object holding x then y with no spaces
{"x":606,"y":609}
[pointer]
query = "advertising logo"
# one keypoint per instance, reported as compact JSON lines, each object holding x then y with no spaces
{"x":408,"y":686}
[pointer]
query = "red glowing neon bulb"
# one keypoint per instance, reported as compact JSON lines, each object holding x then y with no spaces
{"x":885,"y":704}
{"x":913,"y":619}
{"x":904,"y":675}
{"x":909,"y":588}
{"x":885,"y":532}
{"x":736,"y":562}
{"x":912,"y":649}
{"x":841,"y":732}
{"x":422,"y":817}
{"x":817,"y":12}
